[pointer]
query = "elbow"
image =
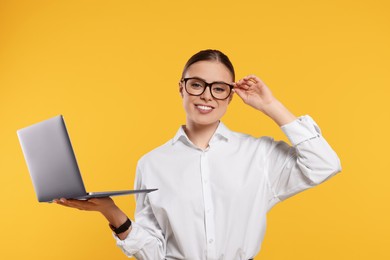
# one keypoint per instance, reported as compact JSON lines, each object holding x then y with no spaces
{"x":329,"y":168}
{"x":335,"y":165}
{"x":322,"y":170}
{"x":339,"y":168}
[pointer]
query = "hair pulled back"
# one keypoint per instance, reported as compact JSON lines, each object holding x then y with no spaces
{"x":210,"y":55}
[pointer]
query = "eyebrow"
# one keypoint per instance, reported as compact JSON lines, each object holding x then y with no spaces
{"x":195,"y":77}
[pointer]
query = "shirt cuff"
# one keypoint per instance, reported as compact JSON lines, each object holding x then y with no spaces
{"x":301,"y":129}
{"x":134,"y":240}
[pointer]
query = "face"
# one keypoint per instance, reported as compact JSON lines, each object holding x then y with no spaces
{"x":204,"y":109}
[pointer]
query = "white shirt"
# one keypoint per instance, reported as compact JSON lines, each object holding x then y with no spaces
{"x":212,"y":203}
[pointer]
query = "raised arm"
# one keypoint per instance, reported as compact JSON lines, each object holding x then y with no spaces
{"x":290,"y":169}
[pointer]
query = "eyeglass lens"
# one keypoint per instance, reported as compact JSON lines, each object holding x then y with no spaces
{"x":197,"y":87}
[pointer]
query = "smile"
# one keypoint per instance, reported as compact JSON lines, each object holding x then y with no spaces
{"x":204,"y":108}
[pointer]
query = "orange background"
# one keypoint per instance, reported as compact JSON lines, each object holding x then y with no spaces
{"x":112,"y":68}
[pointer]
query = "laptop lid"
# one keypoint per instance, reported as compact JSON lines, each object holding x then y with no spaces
{"x":51,"y":161}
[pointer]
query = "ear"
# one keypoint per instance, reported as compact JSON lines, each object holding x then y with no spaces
{"x":181,"y":88}
{"x":230,"y":97}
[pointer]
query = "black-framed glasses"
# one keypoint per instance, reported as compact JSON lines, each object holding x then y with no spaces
{"x":196,"y":87}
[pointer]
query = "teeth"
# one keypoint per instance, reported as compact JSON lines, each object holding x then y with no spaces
{"x":205,"y":108}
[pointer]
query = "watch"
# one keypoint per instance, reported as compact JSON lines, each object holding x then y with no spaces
{"x":125,"y":226}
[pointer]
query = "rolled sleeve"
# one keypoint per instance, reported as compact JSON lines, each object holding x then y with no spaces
{"x":139,"y":243}
{"x":308,"y":162}
{"x":145,"y":240}
{"x":301,"y":129}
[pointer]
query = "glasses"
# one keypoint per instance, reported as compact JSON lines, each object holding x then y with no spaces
{"x":196,"y":87}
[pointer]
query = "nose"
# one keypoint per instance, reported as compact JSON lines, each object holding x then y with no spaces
{"x":206,"y":95}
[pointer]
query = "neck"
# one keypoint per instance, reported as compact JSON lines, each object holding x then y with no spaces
{"x":200,"y":135}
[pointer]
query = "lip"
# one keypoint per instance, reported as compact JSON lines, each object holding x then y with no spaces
{"x":204,"y":111}
{"x":204,"y":105}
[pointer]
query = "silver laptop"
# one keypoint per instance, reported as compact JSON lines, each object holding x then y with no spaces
{"x":52,"y":163}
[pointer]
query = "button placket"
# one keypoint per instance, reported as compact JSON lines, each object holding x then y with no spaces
{"x":209,"y":218}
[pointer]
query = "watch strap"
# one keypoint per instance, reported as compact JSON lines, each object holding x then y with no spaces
{"x":122,"y":228}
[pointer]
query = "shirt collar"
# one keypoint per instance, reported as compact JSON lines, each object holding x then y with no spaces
{"x":222,"y":133}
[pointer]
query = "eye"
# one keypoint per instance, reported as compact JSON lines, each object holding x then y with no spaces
{"x":196,"y":85}
{"x":220,"y":88}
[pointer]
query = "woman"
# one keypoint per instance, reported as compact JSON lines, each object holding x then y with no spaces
{"x":215,"y":185}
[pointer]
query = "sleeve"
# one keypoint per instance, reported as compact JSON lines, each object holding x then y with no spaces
{"x":308,"y":162}
{"x":146,"y":240}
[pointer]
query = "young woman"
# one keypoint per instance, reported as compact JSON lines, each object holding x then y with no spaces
{"x":216,"y":185}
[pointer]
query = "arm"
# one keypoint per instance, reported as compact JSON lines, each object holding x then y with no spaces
{"x":308,"y":162}
{"x":144,"y":240}
{"x":106,"y":206}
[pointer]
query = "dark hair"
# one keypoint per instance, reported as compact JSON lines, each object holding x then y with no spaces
{"x":210,"y":55}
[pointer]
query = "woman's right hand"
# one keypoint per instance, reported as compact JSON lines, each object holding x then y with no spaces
{"x":106,"y":206}
{"x":94,"y":204}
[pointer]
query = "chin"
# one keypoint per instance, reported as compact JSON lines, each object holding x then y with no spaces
{"x":196,"y":118}
{"x":205,"y":121}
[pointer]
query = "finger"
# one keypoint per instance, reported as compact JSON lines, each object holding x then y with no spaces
{"x":251,"y":76}
{"x":243,"y":87}
{"x":242,"y":84}
{"x":240,"y":93}
{"x":255,"y":79}
{"x":93,"y":200}
{"x":78,"y":204}
{"x":60,"y":203}
{"x":238,"y":83}
{"x":252,"y":80}
{"x":71,"y":204}
{"x":243,"y":81}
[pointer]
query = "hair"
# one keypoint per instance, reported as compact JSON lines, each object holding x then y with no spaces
{"x":210,"y":55}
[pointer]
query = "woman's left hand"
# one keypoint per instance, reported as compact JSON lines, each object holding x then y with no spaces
{"x":254,"y":92}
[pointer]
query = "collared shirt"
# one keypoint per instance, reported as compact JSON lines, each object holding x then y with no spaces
{"x":212,"y":203}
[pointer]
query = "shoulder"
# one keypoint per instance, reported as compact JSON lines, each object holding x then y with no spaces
{"x":157,"y":153}
{"x":262,"y":145}
{"x":252,"y":140}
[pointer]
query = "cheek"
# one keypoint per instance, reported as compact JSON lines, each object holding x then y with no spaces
{"x":187,"y":101}
{"x":222,"y":106}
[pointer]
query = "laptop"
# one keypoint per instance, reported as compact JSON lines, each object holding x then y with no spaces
{"x":52,"y":163}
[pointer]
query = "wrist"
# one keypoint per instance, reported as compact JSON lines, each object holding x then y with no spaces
{"x":278,"y":112}
{"x":115,"y":216}
{"x":122,"y":228}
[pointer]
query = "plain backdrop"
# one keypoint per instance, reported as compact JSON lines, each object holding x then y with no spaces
{"x":112,"y":69}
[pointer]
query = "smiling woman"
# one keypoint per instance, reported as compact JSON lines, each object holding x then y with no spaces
{"x":203,"y":109}
{"x":215,"y":185}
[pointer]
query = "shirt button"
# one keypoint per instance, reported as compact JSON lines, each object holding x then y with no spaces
{"x":211,"y":241}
